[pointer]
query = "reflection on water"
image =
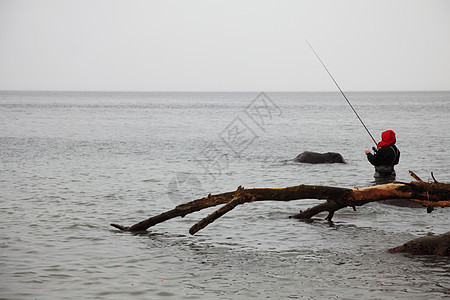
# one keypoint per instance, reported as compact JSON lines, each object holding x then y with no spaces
{"x":73,"y":163}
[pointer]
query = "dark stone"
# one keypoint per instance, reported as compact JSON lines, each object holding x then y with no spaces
{"x":427,"y":245}
{"x":320,"y":158}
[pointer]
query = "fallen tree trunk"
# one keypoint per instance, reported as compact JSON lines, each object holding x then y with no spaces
{"x":431,"y":195}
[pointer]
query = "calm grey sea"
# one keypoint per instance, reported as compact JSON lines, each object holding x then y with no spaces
{"x":71,"y":163}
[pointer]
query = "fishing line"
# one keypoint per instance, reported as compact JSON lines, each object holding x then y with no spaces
{"x":341,"y":92}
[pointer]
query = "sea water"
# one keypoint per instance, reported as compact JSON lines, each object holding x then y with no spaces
{"x":74,"y":162}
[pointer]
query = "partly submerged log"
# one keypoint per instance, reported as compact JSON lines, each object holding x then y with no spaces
{"x":430,"y":195}
{"x":427,"y":245}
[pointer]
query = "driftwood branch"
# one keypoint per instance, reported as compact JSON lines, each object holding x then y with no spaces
{"x":240,"y":198}
{"x":428,"y":194}
{"x":259,"y":194}
{"x":413,"y":175}
{"x":432,"y":176}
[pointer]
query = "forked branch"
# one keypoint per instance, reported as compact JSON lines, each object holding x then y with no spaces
{"x":428,"y":194}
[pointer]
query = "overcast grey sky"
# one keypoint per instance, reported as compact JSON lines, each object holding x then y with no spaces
{"x":208,"y":45}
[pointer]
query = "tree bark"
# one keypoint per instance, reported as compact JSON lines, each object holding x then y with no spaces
{"x":428,"y":194}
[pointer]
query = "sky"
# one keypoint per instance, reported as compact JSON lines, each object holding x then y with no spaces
{"x":209,"y":45}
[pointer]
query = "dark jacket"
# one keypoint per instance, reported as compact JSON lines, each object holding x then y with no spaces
{"x":385,"y":158}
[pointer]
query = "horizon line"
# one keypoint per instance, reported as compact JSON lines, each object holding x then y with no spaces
{"x":215,"y":91}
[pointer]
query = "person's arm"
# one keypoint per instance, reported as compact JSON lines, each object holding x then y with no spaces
{"x":378,"y":158}
{"x":398,"y":157}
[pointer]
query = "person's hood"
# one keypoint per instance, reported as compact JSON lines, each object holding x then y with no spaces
{"x":387,"y":138}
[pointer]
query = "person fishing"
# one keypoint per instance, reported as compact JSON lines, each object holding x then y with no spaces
{"x":385,"y":157}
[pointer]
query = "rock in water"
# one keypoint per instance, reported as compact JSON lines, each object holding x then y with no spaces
{"x":319,"y":158}
{"x":427,"y":245}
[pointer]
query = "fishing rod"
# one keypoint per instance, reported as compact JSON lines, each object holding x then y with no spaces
{"x":342,"y":92}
